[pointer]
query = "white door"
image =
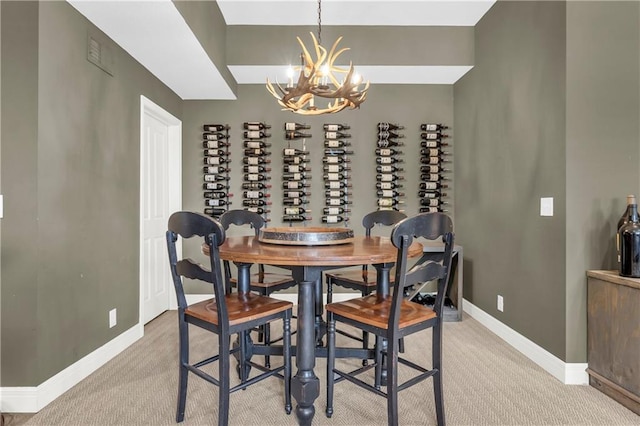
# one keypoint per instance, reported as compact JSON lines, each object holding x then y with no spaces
{"x":157,"y":202}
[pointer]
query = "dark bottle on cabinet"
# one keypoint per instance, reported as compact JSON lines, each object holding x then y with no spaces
{"x":630,"y":245}
{"x":626,"y":216}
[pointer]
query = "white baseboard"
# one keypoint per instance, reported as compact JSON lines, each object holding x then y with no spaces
{"x":567,"y":373}
{"x":33,"y":399}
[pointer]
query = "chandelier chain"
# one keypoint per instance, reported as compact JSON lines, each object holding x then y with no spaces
{"x":319,"y":22}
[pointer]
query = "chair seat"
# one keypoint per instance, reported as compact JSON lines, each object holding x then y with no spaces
{"x":367,"y":278}
{"x":267,"y":280}
{"x":242,"y":307}
{"x":374,"y":311}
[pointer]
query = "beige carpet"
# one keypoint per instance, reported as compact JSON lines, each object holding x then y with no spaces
{"x":486,"y":382}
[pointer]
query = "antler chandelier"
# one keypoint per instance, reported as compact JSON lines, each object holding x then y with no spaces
{"x":321,"y":78}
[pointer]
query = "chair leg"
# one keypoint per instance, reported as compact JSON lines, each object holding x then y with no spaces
{"x":331,"y":358}
{"x":392,"y":382}
{"x":242,"y":363}
{"x":437,"y":378}
{"x":184,"y":373}
{"x":267,"y":341}
{"x":329,"y":290}
{"x":225,"y":367}
{"x":365,"y":335}
{"x":286,"y":336}
{"x":378,"y":362}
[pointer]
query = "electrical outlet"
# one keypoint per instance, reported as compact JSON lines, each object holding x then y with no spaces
{"x":113,"y":319}
{"x":500,"y":303}
{"x":546,"y":206}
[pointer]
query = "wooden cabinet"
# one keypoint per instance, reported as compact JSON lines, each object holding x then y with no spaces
{"x":613,"y":336}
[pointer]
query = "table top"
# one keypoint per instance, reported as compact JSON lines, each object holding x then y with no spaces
{"x":362,"y":250}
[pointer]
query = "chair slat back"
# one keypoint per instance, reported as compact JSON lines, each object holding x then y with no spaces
{"x":190,"y":225}
{"x":381,"y":217}
{"x":431,"y":226}
{"x":240,"y":217}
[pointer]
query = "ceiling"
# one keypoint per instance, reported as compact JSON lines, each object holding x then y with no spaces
{"x":157,"y":36}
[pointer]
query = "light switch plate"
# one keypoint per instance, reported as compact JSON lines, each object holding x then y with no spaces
{"x":546,"y":206}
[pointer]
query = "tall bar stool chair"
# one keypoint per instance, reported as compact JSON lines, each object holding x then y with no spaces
{"x":363,"y":280}
{"x":263,"y":283}
{"x":393,"y":317}
{"x":224,"y":315}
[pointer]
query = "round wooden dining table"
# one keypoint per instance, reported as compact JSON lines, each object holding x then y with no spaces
{"x":306,"y":264}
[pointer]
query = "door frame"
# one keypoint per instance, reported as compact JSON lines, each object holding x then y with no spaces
{"x":174,"y":125}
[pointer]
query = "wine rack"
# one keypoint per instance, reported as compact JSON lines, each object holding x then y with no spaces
{"x":336,"y":171}
{"x":296,"y":172}
{"x":255,"y":168}
{"x":215,"y":141}
{"x":388,"y":167}
{"x":433,"y":171}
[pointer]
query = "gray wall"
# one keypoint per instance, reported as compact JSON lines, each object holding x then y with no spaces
{"x":509,"y":152}
{"x":70,"y":170}
{"x":602,"y":144}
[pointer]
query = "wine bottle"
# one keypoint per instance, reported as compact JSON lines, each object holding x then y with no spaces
{"x":289,"y":127}
{"x":214,"y":211}
{"x":253,"y":177}
{"x":336,"y":160}
{"x":431,"y":194}
{"x":296,"y":168}
{"x":431,"y":209}
{"x":433,"y":127}
{"x":336,"y":143}
{"x":216,"y":202}
{"x":389,"y":126}
{"x":431,"y":177}
{"x":336,"y":184}
{"x":387,"y":143}
{"x":295,"y":218}
{"x":257,"y":144}
{"x":389,"y":202}
{"x":335,"y":210}
{"x":215,"y":127}
{"x":256,"y":151}
{"x":389,"y":160}
{"x":433,"y":144}
{"x":256,"y":134}
{"x":294,"y":201}
{"x":255,"y":194}
{"x":215,"y":186}
{"x":295,"y":176}
{"x":255,"y":185}
{"x":255,"y":125}
{"x":626,"y":216}
{"x":389,"y":193}
{"x":295,"y":184}
{"x":434,"y":160}
{"x":336,"y":135}
{"x":217,"y":194}
{"x":434,"y":152}
{"x":334,"y":176}
{"x":432,"y":202}
{"x":295,"y":194}
{"x":296,"y":135}
{"x":389,"y":135}
{"x":337,"y":151}
{"x":434,"y":168}
{"x":335,"y":168}
{"x":388,"y":177}
{"x":387,"y":151}
{"x":215,"y":169}
{"x":335,"y":193}
{"x":296,"y":210}
{"x":432,"y":185}
{"x":216,"y":160}
{"x":388,"y":168}
{"x":254,"y":161}
{"x":255,"y":202}
{"x":214,"y":136}
{"x":214,"y":144}
{"x":335,"y":127}
{"x":295,"y":159}
{"x":337,"y":202}
{"x":433,"y":136}
{"x":259,"y":210}
{"x":293,"y":151}
{"x":214,"y":178}
{"x":333,"y":219}
{"x":256,"y":169}
{"x":388,"y":185}
{"x":215,"y":152}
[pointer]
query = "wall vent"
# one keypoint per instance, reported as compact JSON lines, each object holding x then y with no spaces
{"x":99,"y":54}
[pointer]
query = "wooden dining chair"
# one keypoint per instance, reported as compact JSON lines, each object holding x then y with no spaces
{"x":363,"y":280}
{"x":224,"y":314}
{"x":263,"y":283}
{"x":393,"y":317}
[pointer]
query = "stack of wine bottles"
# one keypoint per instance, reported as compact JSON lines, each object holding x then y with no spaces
{"x":388,"y":166}
{"x":336,"y":170}
{"x":216,"y":169}
{"x":434,"y":157}
{"x":296,"y":172}
{"x":255,"y":167}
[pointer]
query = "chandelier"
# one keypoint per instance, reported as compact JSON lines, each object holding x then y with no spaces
{"x":320,"y":78}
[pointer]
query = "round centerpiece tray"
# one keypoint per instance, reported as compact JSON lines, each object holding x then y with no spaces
{"x":307,"y":236}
